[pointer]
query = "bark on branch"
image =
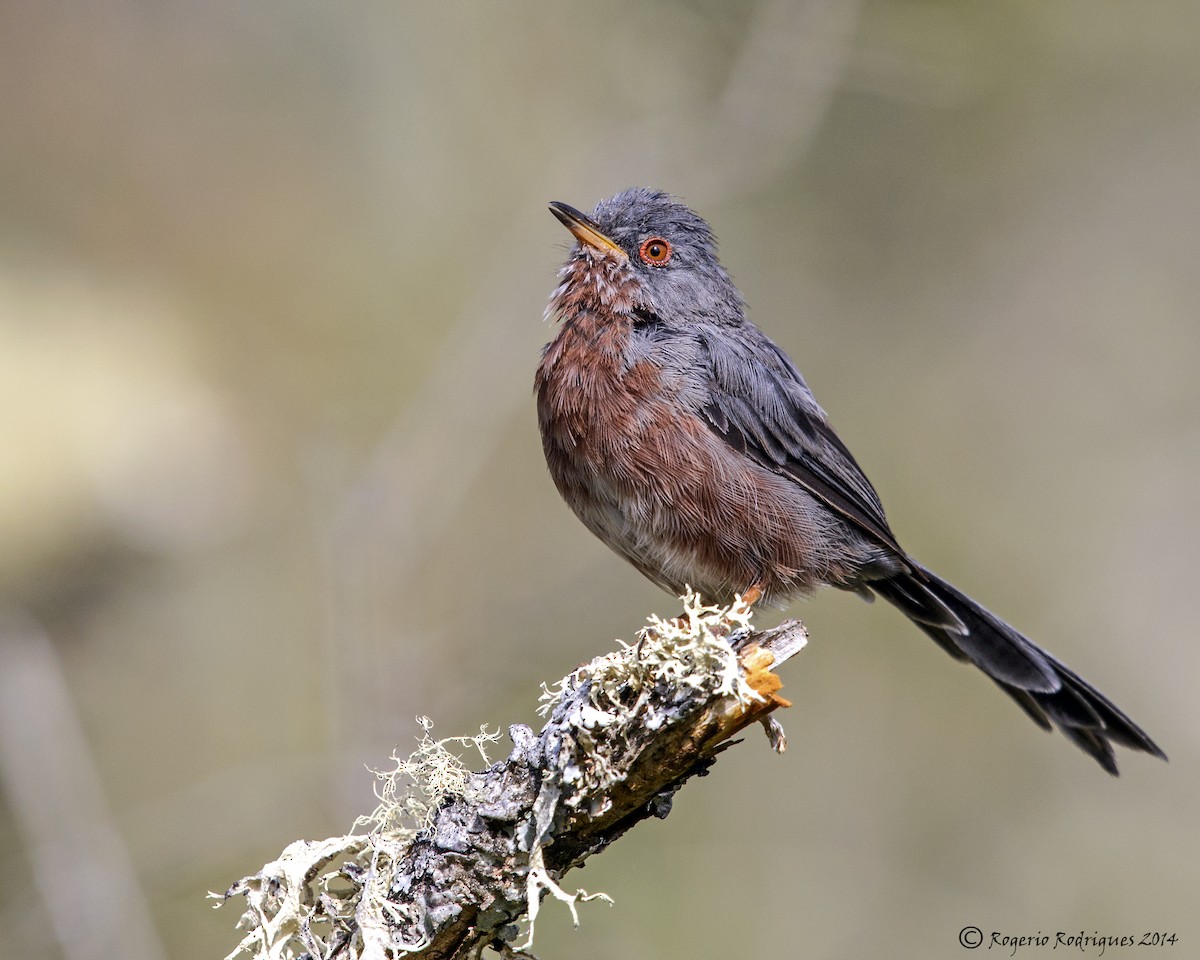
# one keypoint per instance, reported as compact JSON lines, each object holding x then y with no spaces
{"x":624,"y":733}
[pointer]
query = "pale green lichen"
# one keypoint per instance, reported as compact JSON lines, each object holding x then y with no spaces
{"x":409,"y":792}
{"x":332,"y":896}
{"x":539,"y":879}
{"x":691,"y":650}
{"x":317,"y":893}
{"x":637,"y":685}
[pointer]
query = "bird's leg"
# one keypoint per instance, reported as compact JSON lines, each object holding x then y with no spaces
{"x":753,"y":594}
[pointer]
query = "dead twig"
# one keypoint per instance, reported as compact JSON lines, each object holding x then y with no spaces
{"x":454,"y":862}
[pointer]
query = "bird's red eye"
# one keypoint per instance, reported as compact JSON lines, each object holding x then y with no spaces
{"x":656,"y":251}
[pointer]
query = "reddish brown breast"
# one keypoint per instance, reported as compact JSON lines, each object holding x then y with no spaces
{"x":645,"y":472}
{"x":588,"y":400}
{"x":587,"y":397}
{"x":638,"y":471}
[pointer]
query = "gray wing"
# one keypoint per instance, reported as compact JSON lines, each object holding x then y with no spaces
{"x":760,"y":405}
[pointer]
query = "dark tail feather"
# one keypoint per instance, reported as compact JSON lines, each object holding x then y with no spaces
{"x":1048,"y":691}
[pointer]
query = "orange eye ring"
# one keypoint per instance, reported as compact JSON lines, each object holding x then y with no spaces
{"x":655,"y":251}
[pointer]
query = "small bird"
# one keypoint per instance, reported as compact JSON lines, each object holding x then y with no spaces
{"x":687,"y":441}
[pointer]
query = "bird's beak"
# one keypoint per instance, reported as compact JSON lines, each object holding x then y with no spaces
{"x":585,"y":229}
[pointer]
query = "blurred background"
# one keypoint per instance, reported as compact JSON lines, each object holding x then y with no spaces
{"x":271,"y":289}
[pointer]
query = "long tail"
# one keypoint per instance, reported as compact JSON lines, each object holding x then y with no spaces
{"x":1046,"y":689}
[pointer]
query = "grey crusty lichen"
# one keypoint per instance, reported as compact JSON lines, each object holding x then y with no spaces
{"x":453,"y":861}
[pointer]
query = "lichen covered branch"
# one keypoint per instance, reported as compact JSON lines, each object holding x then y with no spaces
{"x":455,"y":861}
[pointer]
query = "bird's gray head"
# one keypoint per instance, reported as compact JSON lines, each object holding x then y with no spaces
{"x":663,"y":251}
